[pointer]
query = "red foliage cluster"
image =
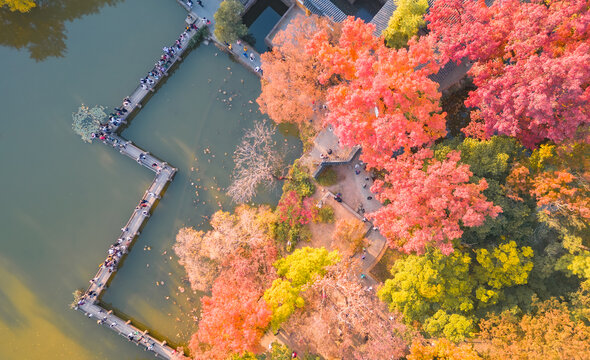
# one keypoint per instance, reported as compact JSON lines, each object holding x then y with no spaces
{"x":530,"y":63}
{"x":294,"y":210}
{"x":428,"y":207}
{"x":382,"y":99}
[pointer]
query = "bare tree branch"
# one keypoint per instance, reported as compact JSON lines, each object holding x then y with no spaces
{"x":256,"y":162}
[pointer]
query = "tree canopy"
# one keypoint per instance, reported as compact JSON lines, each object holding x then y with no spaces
{"x":203,"y":253}
{"x":529,"y":63}
{"x":228,"y":21}
{"x":548,"y":333}
{"x":446,"y":293}
{"x":429,"y":207}
{"x":302,"y":267}
{"x":382,"y":98}
{"x":18,"y":5}
{"x":405,"y":21}
{"x":291,"y":91}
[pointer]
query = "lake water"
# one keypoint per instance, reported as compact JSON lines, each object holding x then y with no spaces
{"x":65,"y":201}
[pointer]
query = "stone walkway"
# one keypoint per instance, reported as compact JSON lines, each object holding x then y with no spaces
{"x":355,"y":190}
{"x":89,"y":301}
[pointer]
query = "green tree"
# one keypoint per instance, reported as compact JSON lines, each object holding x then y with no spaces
{"x":18,"y":5}
{"x":405,"y":21}
{"x":503,"y":267}
{"x":228,"y":21}
{"x":278,"y":351}
{"x":454,"y":327}
{"x":421,"y":285}
{"x":299,"y":181}
{"x":493,"y":160}
{"x":283,"y":299}
{"x":244,"y":356}
{"x":87,"y":121}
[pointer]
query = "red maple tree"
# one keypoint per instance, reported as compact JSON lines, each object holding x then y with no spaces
{"x":234,"y":317}
{"x":530,"y":63}
{"x":428,"y":207}
{"x":381,"y":98}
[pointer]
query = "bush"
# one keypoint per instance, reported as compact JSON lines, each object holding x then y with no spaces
{"x":325,"y":214}
{"x":307,"y":134}
{"x":201,"y":34}
{"x":289,"y":235}
{"x":328,"y":177}
{"x":299,"y":181}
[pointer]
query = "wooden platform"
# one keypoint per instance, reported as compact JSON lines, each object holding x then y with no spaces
{"x":89,"y":303}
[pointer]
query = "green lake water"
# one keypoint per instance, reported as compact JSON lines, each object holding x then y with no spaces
{"x":65,"y":201}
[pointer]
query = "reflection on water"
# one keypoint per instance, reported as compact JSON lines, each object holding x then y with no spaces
{"x":42,"y":31}
{"x":24,"y":319}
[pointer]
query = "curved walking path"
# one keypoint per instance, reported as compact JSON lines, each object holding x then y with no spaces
{"x":89,"y":301}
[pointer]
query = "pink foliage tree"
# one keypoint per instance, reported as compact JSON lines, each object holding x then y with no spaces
{"x":428,"y":201}
{"x":530,"y":63}
{"x":294,"y":210}
{"x":381,"y":98}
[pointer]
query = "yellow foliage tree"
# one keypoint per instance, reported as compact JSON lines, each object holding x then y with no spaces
{"x":18,"y":5}
{"x":504,"y":266}
{"x":404,"y":22}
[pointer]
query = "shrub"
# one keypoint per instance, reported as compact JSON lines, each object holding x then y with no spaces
{"x":87,"y":121}
{"x":299,"y":181}
{"x":201,"y":34}
{"x":325,"y":214}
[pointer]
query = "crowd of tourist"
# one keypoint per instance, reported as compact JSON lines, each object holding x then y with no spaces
{"x":117,"y":117}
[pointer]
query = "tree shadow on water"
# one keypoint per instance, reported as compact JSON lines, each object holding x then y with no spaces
{"x":42,"y":31}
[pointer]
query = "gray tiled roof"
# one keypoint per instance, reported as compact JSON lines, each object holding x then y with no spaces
{"x":381,"y":19}
{"x":450,"y":71}
{"x":325,"y":8}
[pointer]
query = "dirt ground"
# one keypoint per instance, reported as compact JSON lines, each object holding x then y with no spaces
{"x":321,"y":233}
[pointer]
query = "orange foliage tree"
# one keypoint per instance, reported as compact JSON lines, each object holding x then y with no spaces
{"x":381,"y":98}
{"x":441,"y":349}
{"x":350,"y":233}
{"x":428,"y":207}
{"x":234,"y":318}
{"x":550,"y":333}
{"x":563,"y":191}
{"x":291,"y":91}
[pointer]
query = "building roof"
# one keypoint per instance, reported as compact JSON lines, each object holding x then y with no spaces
{"x":381,"y":19}
{"x":325,"y":8}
